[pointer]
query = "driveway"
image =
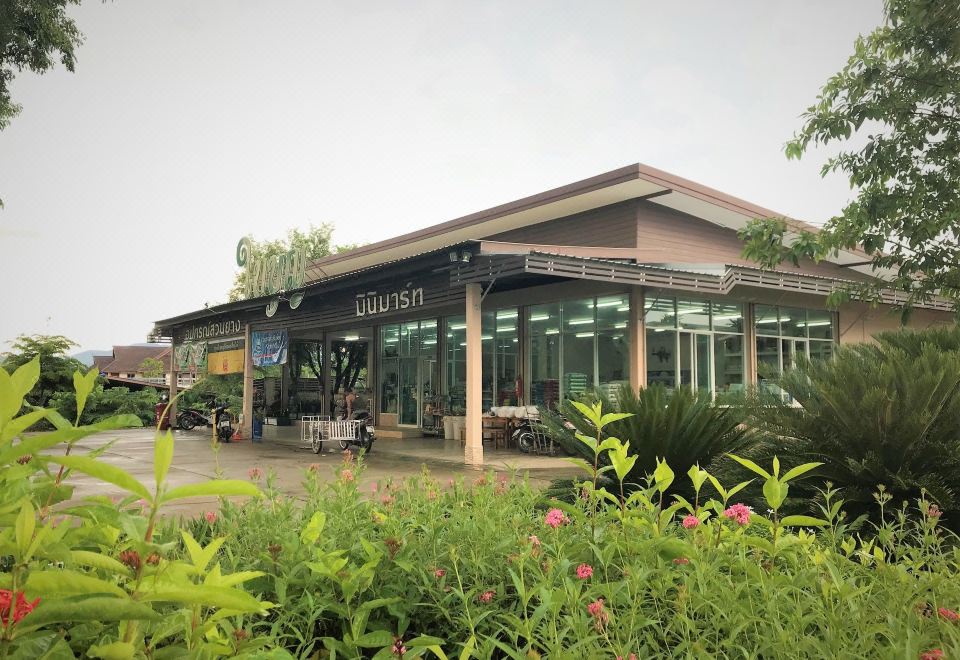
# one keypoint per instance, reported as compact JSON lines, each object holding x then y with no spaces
{"x":195,"y":461}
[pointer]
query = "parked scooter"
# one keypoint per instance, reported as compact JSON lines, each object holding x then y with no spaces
{"x":365,"y":432}
{"x":190,"y":418}
{"x":224,"y":423}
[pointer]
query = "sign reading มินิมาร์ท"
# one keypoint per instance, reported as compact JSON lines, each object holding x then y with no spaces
{"x":270,"y":275}
{"x":372,"y":303}
{"x":225,"y":357}
{"x":269,"y":347}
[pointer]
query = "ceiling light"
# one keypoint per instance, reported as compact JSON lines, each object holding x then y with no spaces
{"x":584,"y":334}
{"x":609,"y":303}
{"x":540,"y":317}
{"x":579,"y":321}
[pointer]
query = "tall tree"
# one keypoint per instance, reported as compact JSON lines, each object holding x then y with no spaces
{"x":893,"y":110}
{"x":316,"y":239}
{"x":56,"y":368}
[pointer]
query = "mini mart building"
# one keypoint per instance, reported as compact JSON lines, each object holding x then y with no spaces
{"x":634,"y":276}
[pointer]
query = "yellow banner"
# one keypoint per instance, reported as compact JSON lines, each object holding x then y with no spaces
{"x":225,"y":357}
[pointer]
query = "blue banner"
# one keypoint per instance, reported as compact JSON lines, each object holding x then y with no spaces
{"x":269,"y":348}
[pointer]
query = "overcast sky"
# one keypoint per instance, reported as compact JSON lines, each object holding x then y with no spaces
{"x":188,"y":124}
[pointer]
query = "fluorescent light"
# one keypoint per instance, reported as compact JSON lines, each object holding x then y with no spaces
{"x":579,"y":321}
{"x":458,"y":326}
{"x":390,"y":341}
{"x":515,"y":340}
{"x":584,"y":334}
{"x":768,"y":321}
{"x":486,"y":337}
{"x":428,"y":342}
{"x":623,"y":309}
{"x":449,"y":335}
{"x":620,"y":325}
{"x":730,"y":317}
{"x":351,"y":338}
{"x":552,"y":331}
{"x":698,"y":310}
{"x":507,"y":315}
{"x":540,"y":317}
{"x":610,"y":303}
{"x":508,"y":328}
{"x":812,"y":324}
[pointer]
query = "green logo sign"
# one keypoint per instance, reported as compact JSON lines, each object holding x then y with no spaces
{"x":272,"y":275}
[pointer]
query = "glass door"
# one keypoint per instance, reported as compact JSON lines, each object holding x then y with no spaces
{"x":792,"y":348}
{"x":696,"y":360}
{"x":418,"y":376}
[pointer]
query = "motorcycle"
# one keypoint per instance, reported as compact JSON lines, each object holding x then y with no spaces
{"x":190,"y":418}
{"x":365,"y":432}
{"x":224,"y":423}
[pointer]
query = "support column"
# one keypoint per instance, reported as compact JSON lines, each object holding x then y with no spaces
{"x":638,"y":340}
{"x":246,"y":430}
{"x":473,"y":448}
{"x":750,"y":345}
{"x":172,"y":396}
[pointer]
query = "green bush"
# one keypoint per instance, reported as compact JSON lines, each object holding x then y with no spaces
{"x":103,"y":403}
{"x":683,"y":427}
{"x":874,"y":415}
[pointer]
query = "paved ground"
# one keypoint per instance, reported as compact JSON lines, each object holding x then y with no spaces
{"x":195,"y":461}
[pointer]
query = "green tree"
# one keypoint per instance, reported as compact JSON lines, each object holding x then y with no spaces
{"x":316,"y":239}
{"x":893,"y":109}
{"x":56,"y":368}
{"x":152,"y":368}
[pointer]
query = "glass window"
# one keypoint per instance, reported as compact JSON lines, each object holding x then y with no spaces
{"x":456,"y":363}
{"x":793,"y":322}
{"x":821,"y":350}
{"x":820,"y":324}
{"x":727,"y":318}
{"x":389,"y":368}
{"x":660,"y":313}
{"x":579,"y":335}
{"x":506,"y":351}
{"x":544,"y":333}
{"x":661,"y":357}
{"x":768,"y":358}
{"x":693,"y":314}
{"x":728,"y":363}
{"x":766,"y":320}
{"x":613,"y":346}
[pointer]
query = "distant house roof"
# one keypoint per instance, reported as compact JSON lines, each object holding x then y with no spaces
{"x":127,"y":359}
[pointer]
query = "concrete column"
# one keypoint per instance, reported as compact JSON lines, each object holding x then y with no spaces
{"x":473,"y":449}
{"x":246,"y":430}
{"x":172,"y":397}
{"x":638,"y":340}
{"x":750,"y":344}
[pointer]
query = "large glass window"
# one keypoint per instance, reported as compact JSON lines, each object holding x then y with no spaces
{"x":389,"y":368}
{"x":409,"y":369}
{"x":543,"y":323}
{"x":613,"y":346}
{"x":696,"y":343}
{"x":784,"y":334}
{"x":505,"y":355}
{"x":456,"y":364}
{"x":577,"y":343}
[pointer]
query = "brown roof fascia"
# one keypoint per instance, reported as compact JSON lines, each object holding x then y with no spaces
{"x":503,"y":247}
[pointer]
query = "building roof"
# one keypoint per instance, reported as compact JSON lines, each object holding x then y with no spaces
{"x":127,"y":359}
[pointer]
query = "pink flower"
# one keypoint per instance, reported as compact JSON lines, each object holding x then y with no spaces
{"x":934,"y":511}
{"x":314,"y":467}
{"x":20,"y":605}
{"x":373,"y":488}
{"x":633,"y":656}
{"x":600,"y":616}
{"x":487,"y":596}
{"x":555,"y":518}
{"x":740,"y":513}
{"x":211,"y":516}
{"x":534,"y":541}
{"x":949,"y":615}
{"x":595,"y":608}
{"x":681,"y":561}
{"x":347,"y":475}
{"x":431,"y":495}
{"x":584,"y":571}
{"x":255,"y":474}
{"x":398,"y":648}
{"x":690,"y":522}
{"x":439,"y":573}
{"x":450,"y":483}
{"x":932,"y":654}
{"x":387,"y":499}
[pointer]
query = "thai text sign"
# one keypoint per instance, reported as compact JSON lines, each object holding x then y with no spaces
{"x":225,"y":357}
{"x":269,"y":348}
{"x":266,"y":275}
{"x":212,"y":330}
{"x":372,"y":303}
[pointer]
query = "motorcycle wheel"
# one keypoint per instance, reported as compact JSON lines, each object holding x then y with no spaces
{"x":223,"y":434}
{"x":316,"y":444}
{"x":366,"y":442}
{"x":187,"y":423}
{"x":344,"y":444}
{"x":524,"y":441}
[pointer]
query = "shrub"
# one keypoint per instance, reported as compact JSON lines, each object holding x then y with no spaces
{"x":874,"y":415}
{"x":683,"y":427}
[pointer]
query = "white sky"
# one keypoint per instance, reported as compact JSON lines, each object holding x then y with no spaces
{"x":188,"y":124}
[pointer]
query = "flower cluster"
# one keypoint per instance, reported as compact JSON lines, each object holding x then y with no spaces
{"x":487,"y":596}
{"x":739,"y":513}
{"x":555,"y":518}
{"x":584,"y":571}
{"x":949,"y":615}
{"x":691,"y":522}
{"x":20,"y":605}
{"x":255,"y":474}
{"x":599,"y":614}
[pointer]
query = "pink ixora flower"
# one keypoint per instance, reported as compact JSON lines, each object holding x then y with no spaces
{"x":934,"y":511}
{"x":211,"y":516}
{"x":932,"y":654}
{"x":740,"y":513}
{"x":487,"y":596}
{"x":690,"y":522}
{"x":681,"y":561}
{"x":398,"y":648}
{"x":346,"y":475}
{"x":450,"y":483}
{"x":633,"y":656}
{"x":949,"y":615}
{"x":555,"y":518}
{"x":255,"y":474}
{"x":534,"y":541}
{"x":439,"y":573}
{"x":599,"y":614}
{"x":584,"y":571}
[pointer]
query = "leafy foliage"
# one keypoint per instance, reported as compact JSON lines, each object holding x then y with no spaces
{"x":874,"y":414}
{"x":318,"y":241}
{"x":152,"y":368}
{"x":896,"y":100}
{"x":683,"y":427}
{"x":227,"y":389}
{"x":56,"y":368}
{"x":104,"y":403}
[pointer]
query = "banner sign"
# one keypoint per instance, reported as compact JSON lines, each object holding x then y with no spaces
{"x":372,"y":303}
{"x":225,"y":357}
{"x":270,"y":347}
{"x":212,"y":330}
{"x":192,"y":356}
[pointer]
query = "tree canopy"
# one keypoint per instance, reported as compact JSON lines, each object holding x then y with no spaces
{"x":56,"y":368}
{"x":318,"y":241}
{"x":893,"y":111}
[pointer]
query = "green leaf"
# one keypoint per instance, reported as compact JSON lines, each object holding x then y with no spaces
{"x":663,"y":475}
{"x":610,"y":418}
{"x":10,"y":401}
{"x":775,"y":492}
{"x":66,"y":582}
{"x":795,"y":472}
{"x":740,"y":486}
{"x":97,"y":560}
{"x":592,"y":415}
{"x":375,"y":639}
{"x":200,"y":557}
{"x":25,"y":526}
{"x":750,"y":465}
{"x":25,"y":377}
{"x":311,"y":533}
{"x":94,"y":608}
{"x":18,"y":425}
{"x":719,"y":488}
{"x":803,"y":521}
{"x":215,"y":487}
{"x":104,"y":472}
{"x":697,"y":476}
{"x":112,"y":651}
{"x":162,"y":456}
{"x":222,"y":597}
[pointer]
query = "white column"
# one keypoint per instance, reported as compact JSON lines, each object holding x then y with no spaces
{"x":246,"y":431}
{"x":473,"y":448}
{"x":638,"y":340}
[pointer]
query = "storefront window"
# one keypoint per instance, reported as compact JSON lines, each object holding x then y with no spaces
{"x":506,"y":351}
{"x":785,"y":334}
{"x":456,"y":364}
{"x":613,"y":346}
{"x":409,"y":369}
{"x":544,"y":338}
{"x":577,"y":343}
{"x":389,"y":368}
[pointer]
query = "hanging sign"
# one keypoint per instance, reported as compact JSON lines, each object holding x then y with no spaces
{"x":270,"y":275}
{"x":371,"y":302}
{"x":269,"y":347}
{"x":192,"y":356}
{"x":225,"y":357}
{"x":212,"y":330}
